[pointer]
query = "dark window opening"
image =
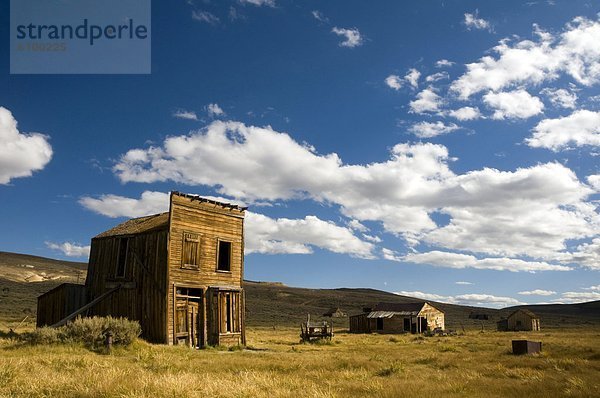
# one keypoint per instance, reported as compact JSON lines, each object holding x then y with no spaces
{"x":407,"y":324}
{"x":379,"y":323}
{"x":230,"y":309}
{"x":224,"y":256}
{"x":122,"y":257}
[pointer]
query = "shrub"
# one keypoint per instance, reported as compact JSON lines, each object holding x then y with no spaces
{"x":91,"y":332}
{"x":393,"y":368}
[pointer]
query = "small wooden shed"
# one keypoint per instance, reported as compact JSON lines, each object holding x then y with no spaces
{"x":178,"y":273}
{"x":398,"y":318}
{"x":520,"y":320}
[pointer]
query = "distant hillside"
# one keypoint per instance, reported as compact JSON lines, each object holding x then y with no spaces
{"x":23,"y":278}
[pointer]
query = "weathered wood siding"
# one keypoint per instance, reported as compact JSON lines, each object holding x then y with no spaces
{"x":522,"y":321}
{"x":211,"y":222}
{"x":60,"y":302}
{"x":435,"y":317}
{"x":144,"y":285}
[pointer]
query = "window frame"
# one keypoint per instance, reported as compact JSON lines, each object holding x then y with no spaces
{"x":219,"y":241}
{"x":121,"y":269}
{"x":188,"y":236}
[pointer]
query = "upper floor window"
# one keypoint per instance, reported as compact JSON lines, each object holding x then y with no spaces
{"x":122,"y":257}
{"x":190,"y":255}
{"x":224,"y":256}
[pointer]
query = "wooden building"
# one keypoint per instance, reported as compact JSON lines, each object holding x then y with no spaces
{"x":178,"y":273}
{"x":398,"y":318}
{"x":520,"y":320}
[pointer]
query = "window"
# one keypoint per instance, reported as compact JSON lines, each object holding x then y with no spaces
{"x":224,"y":256}
{"x":122,"y":258}
{"x":190,"y":254}
{"x":230,"y":305}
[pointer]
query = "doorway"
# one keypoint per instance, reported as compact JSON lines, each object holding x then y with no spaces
{"x":189,"y":317}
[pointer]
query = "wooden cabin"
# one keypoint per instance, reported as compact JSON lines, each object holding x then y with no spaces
{"x":398,"y":318}
{"x":520,"y":320}
{"x":178,"y":273}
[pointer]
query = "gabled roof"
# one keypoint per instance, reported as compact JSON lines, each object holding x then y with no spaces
{"x":526,"y":312}
{"x":138,"y":225}
{"x":388,"y":310}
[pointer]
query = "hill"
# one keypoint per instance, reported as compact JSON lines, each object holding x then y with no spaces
{"x":23,"y":278}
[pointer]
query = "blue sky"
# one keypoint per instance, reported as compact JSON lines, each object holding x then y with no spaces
{"x":446,"y":150}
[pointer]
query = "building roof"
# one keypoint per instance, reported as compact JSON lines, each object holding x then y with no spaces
{"x":526,"y":312}
{"x":388,"y":310}
{"x":212,"y":201}
{"x":138,"y":225}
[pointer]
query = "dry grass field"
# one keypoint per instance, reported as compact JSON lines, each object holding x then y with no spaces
{"x":275,"y":364}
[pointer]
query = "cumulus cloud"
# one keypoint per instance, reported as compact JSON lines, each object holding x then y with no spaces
{"x":461,"y":261}
{"x":463,"y":283}
{"x":574,"y":52}
{"x":537,"y":292}
{"x":577,"y":297}
{"x":594,"y":181}
{"x":319,"y":16}
{"x":466,"y":113}
{"x":70,"y":249}
{"x":561,"y":98}
{"x":412,"y":77}
{"x":20,"y":154}
{"x":206,"y":17}
{"x":518,"y":104}
{"x":437,"y":76}
{"x":428,"y":129}
{"x":473,"y":299}
{"x":472,"y":21}
{"x":214,"y":110}
{"x":352,"y":37}
{"x":263,"y":234}
{"x":259,"y":3}
{"x":528,"y":212}
{"x":426,"y":101}
{"x":443,"y":63}
{"x":394,"y":81}
{"x":183,"y":114}
{"x":580,"y":128}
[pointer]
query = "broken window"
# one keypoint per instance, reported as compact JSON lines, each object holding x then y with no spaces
{"x":224,"y":256}
{"x":190,"y":255}
{"x":122,"y":257}
{"x":230,"y":310}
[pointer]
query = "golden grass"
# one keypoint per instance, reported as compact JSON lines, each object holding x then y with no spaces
{"x":276,"y":365}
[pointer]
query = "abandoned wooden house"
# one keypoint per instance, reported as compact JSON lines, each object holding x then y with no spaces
{"x":398,"y":318}
{"x":178,"y":273}
{"x":335,"y":312}
{"x":520,"y":320}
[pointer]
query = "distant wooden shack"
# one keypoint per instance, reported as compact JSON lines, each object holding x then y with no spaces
{"x":520,"y":320}
{"x":398,"y":318}
{"x":178,"y":273}
{"x":335,"y":313}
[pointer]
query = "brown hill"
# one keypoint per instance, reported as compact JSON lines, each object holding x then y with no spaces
{"x":24,"y":277}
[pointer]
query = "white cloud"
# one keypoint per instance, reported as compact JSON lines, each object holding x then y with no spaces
{"x":214,"y":110}
{"x":259,"y":3}
{"x":20,"y":154}
{"x":465,"y":113}
{"x":428,"y":129}
{"x":371,"y":238}
{"x":319,"y":16}
{"x":263,"y":234}
{"x":427,"y":101}
{"x":70,"y":249}
{"x":594,"y":181}
{"x":412,"y":77}
{"x":437,"y":76}
{"x":352,"y":37}
{"x":596,"y":288}
{"x":472,"y":21}
{"x":580,"y":128}
{"x":518,"y":104}
{"x":538,"y":292}
{"x":575,"y":52}
{"x":586,"y":254}
{"x":443,"y":63}
{"x":561,"y":98}
{"x":206,"y":17}
{"x":118,"y":206}
{"x":478,"y":299}
{"x":463,"y":283}
{"x":394,"y":81}
{"x":183,"y":114}
{"x":530,"y":212}
{"x":461,"y":261}
{"x":357,"y":226}
{"x":578,"y":297}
